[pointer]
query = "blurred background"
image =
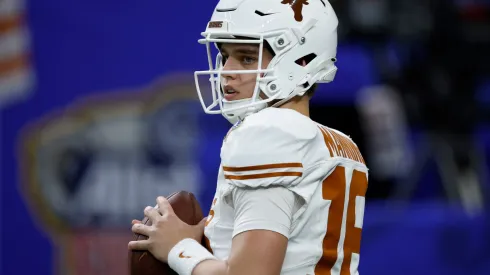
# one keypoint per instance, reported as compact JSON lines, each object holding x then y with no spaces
{"x":99,"y":115}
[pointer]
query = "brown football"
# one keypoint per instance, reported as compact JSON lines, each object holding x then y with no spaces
{"x":187,"y":208}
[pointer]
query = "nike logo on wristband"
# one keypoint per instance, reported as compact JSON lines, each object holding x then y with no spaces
{"x":181,"y":255}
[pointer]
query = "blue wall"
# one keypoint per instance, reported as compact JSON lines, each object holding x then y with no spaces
{"x":85,"y":48}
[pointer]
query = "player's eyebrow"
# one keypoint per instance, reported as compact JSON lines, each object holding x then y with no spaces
{"x":241,"y":50}
{"x":248,"y":50}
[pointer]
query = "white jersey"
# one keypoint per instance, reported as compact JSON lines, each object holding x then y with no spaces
{"x":322,"y":171}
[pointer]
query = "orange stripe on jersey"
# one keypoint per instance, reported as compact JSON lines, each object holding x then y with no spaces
{"x":264,"y":175}
{"x":262,"y":167}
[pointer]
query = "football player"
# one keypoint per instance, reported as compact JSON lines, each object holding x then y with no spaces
{"x":290,"y":192}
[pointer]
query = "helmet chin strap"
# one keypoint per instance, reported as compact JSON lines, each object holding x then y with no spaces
{"x":240,"y":114}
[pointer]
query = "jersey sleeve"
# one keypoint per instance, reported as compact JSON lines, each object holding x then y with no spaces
{"x":249,"y":205}
{"x":276,"y":151}
{"x":262,"y":156}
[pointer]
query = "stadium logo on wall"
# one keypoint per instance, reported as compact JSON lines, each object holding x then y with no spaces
{"x":93,"y":167}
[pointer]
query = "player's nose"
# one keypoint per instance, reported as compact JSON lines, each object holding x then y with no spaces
{"x":228,"y":66}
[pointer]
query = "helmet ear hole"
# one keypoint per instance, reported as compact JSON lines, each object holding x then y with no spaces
{"x":305,"y":60}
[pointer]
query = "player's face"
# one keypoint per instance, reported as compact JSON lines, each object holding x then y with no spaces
{"x":241,"y":57}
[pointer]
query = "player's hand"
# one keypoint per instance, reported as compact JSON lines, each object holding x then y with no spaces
{"x":165,"y":232}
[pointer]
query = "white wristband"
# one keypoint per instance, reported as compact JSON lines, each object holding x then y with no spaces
{"x":186,"y":255}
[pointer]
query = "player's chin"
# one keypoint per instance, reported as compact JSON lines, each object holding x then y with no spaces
{"x":234,"y":97}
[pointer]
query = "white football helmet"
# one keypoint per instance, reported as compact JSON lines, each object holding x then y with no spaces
{"x":294,"y":29}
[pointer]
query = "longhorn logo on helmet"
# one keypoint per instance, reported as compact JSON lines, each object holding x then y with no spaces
{"x":297,"y":6}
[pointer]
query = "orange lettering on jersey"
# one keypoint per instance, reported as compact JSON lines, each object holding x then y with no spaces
{"x":329,"y":142}
{"x":352,"y":242}
{"x":349,"y":147}
{"x":344,"y":143}
{"x":352,"y":150}
{"x":341,"y":146}
{"x":333,"y":189}
{"x":360,"y":156}
{"x":336,"y":138}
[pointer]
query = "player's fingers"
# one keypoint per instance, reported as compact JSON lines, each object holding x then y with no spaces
{"x":152,"y":213}
{"x":164,"y":206}
{"x":141,"y":229}
{"x":135,"y":221}
{"x":139,"y":245}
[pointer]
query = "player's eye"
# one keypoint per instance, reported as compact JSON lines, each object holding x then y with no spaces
{"x":248,"y":60}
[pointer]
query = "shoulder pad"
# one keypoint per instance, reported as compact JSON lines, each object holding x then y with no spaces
{"x":267,"y":149}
